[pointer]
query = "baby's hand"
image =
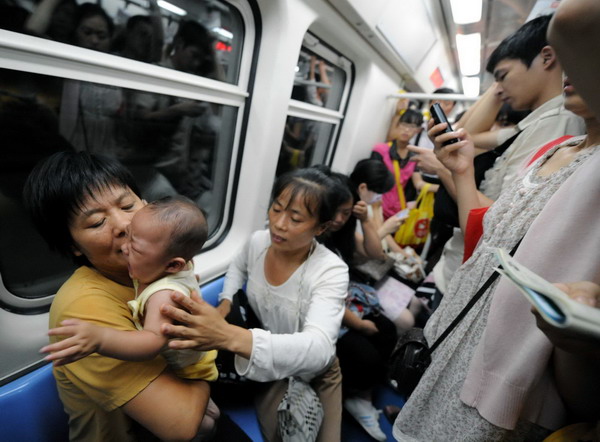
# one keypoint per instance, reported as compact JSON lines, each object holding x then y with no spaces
{"x":82,"y":340}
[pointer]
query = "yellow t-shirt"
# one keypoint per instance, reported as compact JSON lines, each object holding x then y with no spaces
{"x":93,"y":388}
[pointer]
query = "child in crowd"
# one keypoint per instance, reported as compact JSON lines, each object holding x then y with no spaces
{"x":162,"y":239}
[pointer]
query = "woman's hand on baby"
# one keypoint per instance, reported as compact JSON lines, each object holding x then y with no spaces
{"x":82,"y":340}
{"x":204,"y":329}
{"x":360,"y":211}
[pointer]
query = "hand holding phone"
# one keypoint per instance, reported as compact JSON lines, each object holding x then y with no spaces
{"x":438,"y":115}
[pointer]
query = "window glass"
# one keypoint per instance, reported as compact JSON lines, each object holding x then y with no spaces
{"x":318,"y":81}
{"x":304,"y":144}
{"x":172,"y":145}
{"x":202,"y":37}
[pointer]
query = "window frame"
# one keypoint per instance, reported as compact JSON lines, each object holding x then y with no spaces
{"x":37,"y":55}
{"x":313,"y":112}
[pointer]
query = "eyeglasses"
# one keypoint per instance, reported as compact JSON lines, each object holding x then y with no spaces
{"x":410,"y":126}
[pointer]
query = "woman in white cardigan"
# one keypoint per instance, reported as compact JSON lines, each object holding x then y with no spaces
{"x":297,"y":289}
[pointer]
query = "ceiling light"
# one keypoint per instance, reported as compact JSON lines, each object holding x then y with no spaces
{"x":171,"y":8}
{"x":469,"y":53}
{"x":470,"y":86}
{"x":466,"y":11}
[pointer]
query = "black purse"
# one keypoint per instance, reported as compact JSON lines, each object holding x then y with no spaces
{"x":242,"y":315}
{"x":412,"y":355}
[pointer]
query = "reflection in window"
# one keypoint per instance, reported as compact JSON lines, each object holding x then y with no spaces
{"x":171,"y":144}
{"x":203,"y":37}
{"x":318,"y":81}
{"x":304,"y":143}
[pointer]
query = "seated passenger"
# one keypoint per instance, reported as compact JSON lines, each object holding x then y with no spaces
{"x":496,"y":377}
{"x":162,"y":239}
{"x":82,"y":205}
{"x":409,"y":180}
{"x":367,"y":336}
{"x":297,"y":289}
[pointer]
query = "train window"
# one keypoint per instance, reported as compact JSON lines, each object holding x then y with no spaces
{"x":320,"y":92}
{"x":203,"y":38}
{"x":172,"y":145}
{"x":176,"y":132}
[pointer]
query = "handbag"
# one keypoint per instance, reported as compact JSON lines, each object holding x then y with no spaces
{"x":411,"y":356}
{"x":242,"y":315}
{"x":415,"y":229}
{"x":299,"y":413}
{"x":374,"y":268}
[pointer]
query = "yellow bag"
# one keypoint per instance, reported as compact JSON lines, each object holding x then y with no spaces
{"x":414,"y":231}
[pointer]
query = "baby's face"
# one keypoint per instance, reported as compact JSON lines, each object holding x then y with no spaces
{"x":145,"y":247}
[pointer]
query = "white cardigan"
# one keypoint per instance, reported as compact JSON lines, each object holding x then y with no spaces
{"x":284,"y":347}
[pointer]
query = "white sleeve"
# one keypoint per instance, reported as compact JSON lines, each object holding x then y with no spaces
{"x":310,"y":351}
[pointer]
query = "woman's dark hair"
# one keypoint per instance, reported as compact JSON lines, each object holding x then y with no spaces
{"x":411,"y":116}
{"x":316,"y":188}
{"x":374,"y":174}
{"x":87,"y":10}
{"x":57,"y":188}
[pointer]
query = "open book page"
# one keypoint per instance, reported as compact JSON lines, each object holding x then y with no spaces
{"x":553,"y":304}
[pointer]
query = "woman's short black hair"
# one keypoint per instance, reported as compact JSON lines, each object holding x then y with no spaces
{"x":411,"y":116}
{"x":374,"y":174}
{"x":59,"y":185}
{"x":318,"y":191}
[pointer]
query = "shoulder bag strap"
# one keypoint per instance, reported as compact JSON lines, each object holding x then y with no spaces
{"x":397,"y":175}
{"x":471,"y":303}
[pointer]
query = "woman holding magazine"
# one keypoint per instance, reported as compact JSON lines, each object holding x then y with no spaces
{"x":496,"y":376}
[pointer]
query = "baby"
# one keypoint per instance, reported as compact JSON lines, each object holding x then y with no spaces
{"x":162,"y":239}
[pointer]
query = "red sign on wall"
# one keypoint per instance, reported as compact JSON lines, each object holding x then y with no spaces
{"x":436,"y":78}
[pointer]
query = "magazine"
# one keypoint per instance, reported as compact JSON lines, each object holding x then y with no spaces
{"x":553,"y":304}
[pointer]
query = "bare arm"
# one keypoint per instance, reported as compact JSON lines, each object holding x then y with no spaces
{"x":169,"y":407}
{"x":419,"y":183}
{"x":481,"y":116}
{"x":428,"y":162}
{"x":39,"y":20}
{"x":85,"y":338}
{"x":364,"y":326}
{"x":158,"y":37}
{"x":369,"y":244}
{"x":401,"y":104}
{"x":574,"y":34}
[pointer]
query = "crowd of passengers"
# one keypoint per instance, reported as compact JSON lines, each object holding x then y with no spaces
{"x":133,"y":342}
{"x":172,"y":135}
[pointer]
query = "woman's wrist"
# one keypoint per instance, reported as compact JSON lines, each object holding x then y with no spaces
{"x":238,"y":340}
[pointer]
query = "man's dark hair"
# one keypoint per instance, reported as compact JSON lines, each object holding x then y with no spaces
{"x":58,"y":187}
{"x":189,"y":229}
{"x":524,"y":45}
{"x":445,"y":90}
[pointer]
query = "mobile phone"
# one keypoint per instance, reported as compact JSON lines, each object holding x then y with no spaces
{"x":438,"y":115}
